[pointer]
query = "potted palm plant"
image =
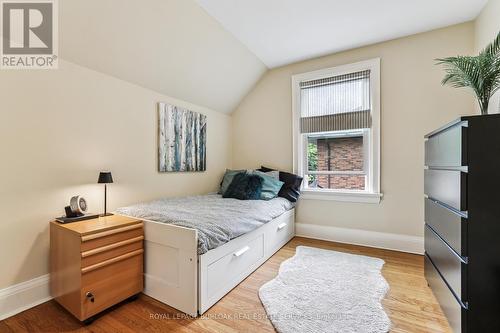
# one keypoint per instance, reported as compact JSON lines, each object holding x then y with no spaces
{"x":480,"y":73}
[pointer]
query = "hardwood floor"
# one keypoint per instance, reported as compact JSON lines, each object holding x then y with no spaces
{"x":409,"y":303}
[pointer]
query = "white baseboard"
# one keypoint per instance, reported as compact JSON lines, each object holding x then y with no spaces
{"x":381,"y":240}
{"x":24,"y":295}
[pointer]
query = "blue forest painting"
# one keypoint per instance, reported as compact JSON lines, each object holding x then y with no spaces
{"x":182,"y":139}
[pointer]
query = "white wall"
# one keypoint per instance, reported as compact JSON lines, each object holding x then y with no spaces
{"x":413,"y":102}
{"x":487,"y":27}
{"x":487,"y":24}
{"x":170,"y":46}
{"x":58,"y":129}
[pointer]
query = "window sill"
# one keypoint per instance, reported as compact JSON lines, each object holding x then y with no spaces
{"x":344,"y":196}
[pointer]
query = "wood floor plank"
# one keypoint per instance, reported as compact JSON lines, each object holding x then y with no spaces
{"x":409,"y":303}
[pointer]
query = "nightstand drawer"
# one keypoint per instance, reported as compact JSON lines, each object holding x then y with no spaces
{"x":110,"y":251}
{"x":97,"y":240}
{"x":111,"y":283}
{"x":102,"y":257}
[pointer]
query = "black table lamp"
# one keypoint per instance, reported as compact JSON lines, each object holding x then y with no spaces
{"x":105,"y":178}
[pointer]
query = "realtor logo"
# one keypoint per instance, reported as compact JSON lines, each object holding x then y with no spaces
{"x":29,"y":34}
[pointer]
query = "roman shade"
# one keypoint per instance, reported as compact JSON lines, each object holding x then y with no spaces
{"x":335,"y":103}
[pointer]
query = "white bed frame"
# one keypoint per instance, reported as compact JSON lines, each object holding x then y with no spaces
{"x":175,"y":275}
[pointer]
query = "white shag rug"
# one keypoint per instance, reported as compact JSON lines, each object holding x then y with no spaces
{"x":327,"y":291}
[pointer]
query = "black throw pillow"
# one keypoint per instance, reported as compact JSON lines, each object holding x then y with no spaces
{"x":244,"y":187}
{"x":291,"y":189}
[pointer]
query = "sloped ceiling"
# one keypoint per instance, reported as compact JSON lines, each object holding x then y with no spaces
{"x":170,"y":46}
{"x":281,"y":32}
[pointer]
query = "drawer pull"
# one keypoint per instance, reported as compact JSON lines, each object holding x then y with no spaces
{"x":240,"y":252}
{"x":282,"y":225}
{"x":111,"y":246}
{"x":111,"y":261}
{"x":111,"y":232}
{"x":90,"y":296}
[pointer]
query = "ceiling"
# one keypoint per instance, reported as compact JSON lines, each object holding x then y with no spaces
{"x":280,"y":32}
{"x":170,"y":46}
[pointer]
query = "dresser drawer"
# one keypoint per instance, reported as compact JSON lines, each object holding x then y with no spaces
{"x":112,"y":236}
{"x":447,"y":186}
{"x":447,"y":148}
{"x":103,"y":253}
{"x":111,"y":283}
{"x":449,"y":264}
{"x":448,"y":224}
{"x":455,"y":313}
{"x":231,"y":266}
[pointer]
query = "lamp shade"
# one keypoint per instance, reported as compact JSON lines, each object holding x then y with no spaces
{"x":105,"y":178}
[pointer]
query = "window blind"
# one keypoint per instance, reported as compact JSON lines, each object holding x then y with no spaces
{"x":335,"y":103}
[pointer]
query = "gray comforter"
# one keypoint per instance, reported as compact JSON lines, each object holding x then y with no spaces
{"x":217,"y":220}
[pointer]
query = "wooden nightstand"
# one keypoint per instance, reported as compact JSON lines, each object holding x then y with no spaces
{"x":96,"y":263}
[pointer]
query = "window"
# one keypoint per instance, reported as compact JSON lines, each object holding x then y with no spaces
{"x":336,"y":132}
{"x":336,"y":160}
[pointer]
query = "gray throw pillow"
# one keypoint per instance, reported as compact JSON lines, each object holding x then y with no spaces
{"x":274,"y":174}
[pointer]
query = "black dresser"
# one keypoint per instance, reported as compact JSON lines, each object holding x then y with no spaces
{"x":462,"y":221}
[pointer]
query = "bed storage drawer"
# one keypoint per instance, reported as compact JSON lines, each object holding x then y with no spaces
{"x":451,"y":226}
{"x":280,"y":232}
{"x":453,"y":310}
{"x":229,"y":268}
{"x":449,"y":264}
{"x":447,"y":186}
{"x":448,"y":148}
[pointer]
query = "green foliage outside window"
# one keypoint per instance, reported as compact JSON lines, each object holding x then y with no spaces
{"x":312,"y":159}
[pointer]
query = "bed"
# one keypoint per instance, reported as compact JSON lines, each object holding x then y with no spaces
{"x":198,"y":248}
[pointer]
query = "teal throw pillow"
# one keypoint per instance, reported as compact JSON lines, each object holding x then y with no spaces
{"x":270,"y":185}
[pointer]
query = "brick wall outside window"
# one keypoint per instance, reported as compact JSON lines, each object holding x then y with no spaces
{"x":341,"y":154}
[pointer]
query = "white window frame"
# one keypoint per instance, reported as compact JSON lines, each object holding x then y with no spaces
{"x":372,"y":193}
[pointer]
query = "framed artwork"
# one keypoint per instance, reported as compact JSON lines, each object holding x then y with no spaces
{"x":182,"y":136}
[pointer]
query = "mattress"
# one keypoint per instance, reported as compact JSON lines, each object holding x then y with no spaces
{"x":217,"y":219}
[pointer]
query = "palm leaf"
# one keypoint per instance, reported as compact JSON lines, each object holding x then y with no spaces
{"x":480,"y":73}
